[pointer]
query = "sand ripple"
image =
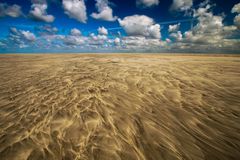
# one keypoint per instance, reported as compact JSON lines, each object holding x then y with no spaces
{"x":119,"y":107}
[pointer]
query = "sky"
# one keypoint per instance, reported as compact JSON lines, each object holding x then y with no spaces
{"x":147,"y":26}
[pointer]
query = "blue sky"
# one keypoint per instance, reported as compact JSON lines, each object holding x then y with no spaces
{"x":120,"y":26}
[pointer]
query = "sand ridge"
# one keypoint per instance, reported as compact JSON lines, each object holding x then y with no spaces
{"x":119,"y":107}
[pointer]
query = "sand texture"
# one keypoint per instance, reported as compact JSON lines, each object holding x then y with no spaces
{"x":112,"y":107}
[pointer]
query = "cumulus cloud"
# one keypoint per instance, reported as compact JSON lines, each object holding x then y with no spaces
{"x":173,"y":28}
{"x":236,"y":9}
{"x":208,"y":23}
{"x":28,"y":35}
{"x":20,"y":38}
{"x":140,"y":25}
{"x":75,"y":9}
{"x":147,"y":3}
{"x":142,"y":44}
{"x":46,"y":30}
{"x":10,"y":10}
{"x":45,"y":39}
{"x":177,"y":36}
{"x":74,"y":40}
{"x":209,"y":34}
{"x":181,"y":5}
{"x":98,"y":37}
{"x":75,"y":32}
{"x":117,"y":41}
{"x":174,"y":32}
{"x":237,"y":21}
{"x":39,"y":11}
{"x":98,"y":41}
{"x":104,"y":11}
{"x":102,"y":31}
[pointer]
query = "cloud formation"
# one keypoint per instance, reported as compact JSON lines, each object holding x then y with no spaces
{"x":236,"y":9}
{"x":104,"y":11}
{"x":75,"y":32}
{"x":19,"y":39}
{"x":181,"y":5}
{"x":10,"y":10}
{"x":46,"y":30}
{"x":74,"y":40}
{"x":28,"y":35}
{"x":173,"y":28}
{"x":39,"y":11}
{"x":208,"y":33}
{"x":142,"y":44}
{"x":75,"y":9}
{"x":176,"y":36}
{"x":117,"y":41}
{"x":147,"y":3}
{"x":102,"y":31}
{"x":140,"y":25}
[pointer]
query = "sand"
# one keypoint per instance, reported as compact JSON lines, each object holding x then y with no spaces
{"x":129,"y":107}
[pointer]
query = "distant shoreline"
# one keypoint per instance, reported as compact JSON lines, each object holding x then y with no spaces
{"x":140,"y":54}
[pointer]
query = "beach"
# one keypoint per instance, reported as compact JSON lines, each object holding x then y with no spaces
{"x":119,"y":106}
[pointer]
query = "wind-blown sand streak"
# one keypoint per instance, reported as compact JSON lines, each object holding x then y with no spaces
{"x":119,"y":107}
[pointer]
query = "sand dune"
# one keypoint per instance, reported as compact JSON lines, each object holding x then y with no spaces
{"x":129,"y":107}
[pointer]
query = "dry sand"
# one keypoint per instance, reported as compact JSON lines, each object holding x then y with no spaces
{"x":127,"y":107}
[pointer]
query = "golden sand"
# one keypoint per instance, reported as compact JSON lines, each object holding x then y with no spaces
{"x":129,"y":107}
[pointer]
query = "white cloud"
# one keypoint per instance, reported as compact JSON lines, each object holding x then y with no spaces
{"x":74,"y":40}
{"x":117,"y":41}
{"x":236,"y":8}
{"x":20,"y":39}
{"x":102,"y":37}
{"x":98,"y":37}
{"x":38,"y":11}
{"x":12,"y":11}
{"x":97,"y":40}
{"x":104,"y":11}
{"x":208,"y":23}
{"x":173,"y":28}
{"x":47,"y":29}
{"x":142,"y":44}
{"x":237,"y":21}
{"x":140,"y":25}
{"x":133,"y":42}
{"x":181,"y":5}
{"x":208,"y":35}
{"x":75,"y":9}
{"x":147,"y":3}
{"x":75,"y":32}
{"x":21,"y":35}
{"x":177,"y":36}
{"x":102,"y":31}
{"x":28,"y":35}
{"x":153,"y":31}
